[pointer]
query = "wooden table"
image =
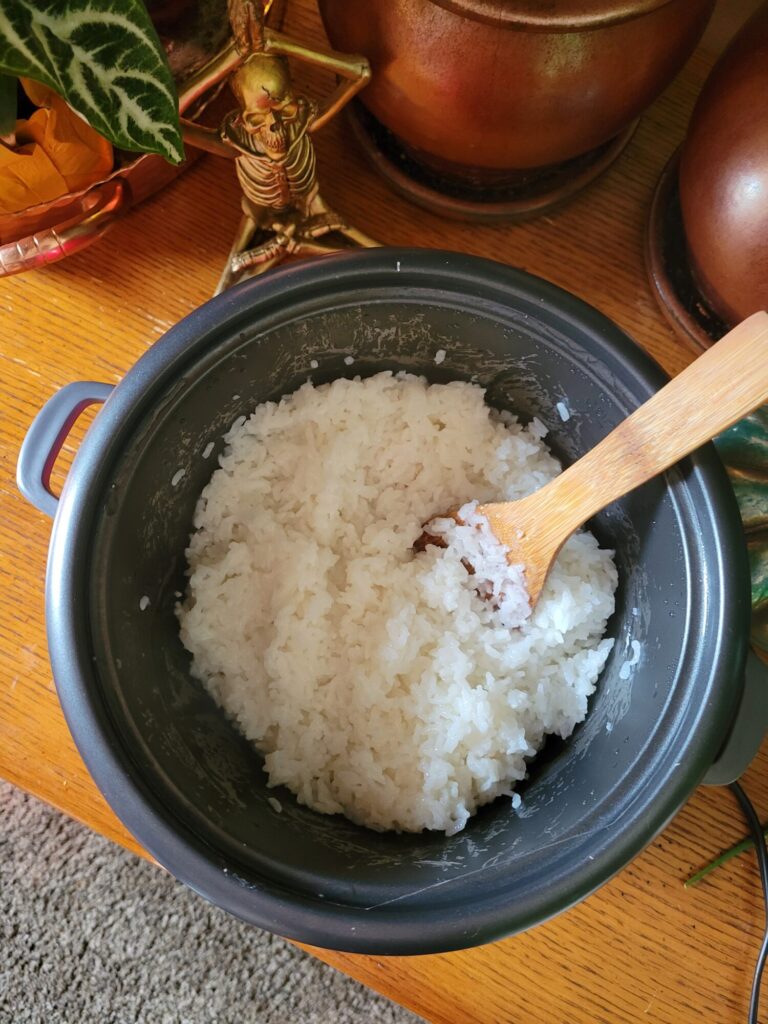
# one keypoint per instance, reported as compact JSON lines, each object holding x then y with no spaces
{"x":641,"y":949}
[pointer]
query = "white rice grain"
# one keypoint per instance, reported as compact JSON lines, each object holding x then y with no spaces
{"x":629,"y":664}
{"x":378,"y":683}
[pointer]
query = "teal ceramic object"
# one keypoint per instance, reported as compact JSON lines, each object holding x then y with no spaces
{"x":744,"y":450}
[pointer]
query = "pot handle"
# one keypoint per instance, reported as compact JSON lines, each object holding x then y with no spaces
{"x":748,"y":729}
{"x":46,"y":436}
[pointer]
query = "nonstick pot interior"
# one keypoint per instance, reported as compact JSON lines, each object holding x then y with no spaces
{"x":193,"y":790}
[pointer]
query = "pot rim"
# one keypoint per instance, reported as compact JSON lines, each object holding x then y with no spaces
{"x":380,"y":930}
{"x":566,"y":15}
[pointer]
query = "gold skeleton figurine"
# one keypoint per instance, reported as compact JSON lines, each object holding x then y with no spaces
{"x":268,"y":137}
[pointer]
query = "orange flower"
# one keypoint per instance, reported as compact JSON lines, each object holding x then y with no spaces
{"x":56,"y":152}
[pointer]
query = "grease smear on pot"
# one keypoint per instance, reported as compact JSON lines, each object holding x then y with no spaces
{"x":379,"y":683}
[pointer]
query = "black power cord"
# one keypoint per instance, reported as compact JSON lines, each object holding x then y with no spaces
{"x":762,"y":860}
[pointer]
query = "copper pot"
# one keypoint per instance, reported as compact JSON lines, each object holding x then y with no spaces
{"x":479,"y":89}
{"x":723,"y":178}
{"x":47,"y":232}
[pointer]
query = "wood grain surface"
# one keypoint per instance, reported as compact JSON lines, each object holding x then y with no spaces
{"x":642,"y":948}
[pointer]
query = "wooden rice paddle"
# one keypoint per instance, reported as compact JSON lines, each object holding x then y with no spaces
{"x":722,"y":385}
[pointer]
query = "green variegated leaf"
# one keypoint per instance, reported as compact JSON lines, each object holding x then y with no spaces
{"x":744,"y":450}
{"x":105,"y":59}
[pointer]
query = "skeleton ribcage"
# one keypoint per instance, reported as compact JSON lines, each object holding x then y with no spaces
{"x":277,"y":185}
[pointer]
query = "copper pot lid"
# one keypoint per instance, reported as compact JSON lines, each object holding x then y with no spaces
{"x":556,"y":15}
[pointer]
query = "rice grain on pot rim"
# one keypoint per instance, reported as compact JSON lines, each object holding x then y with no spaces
{"x":379,"y":683}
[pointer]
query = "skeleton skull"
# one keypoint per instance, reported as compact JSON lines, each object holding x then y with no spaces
{"x":262,"y":87}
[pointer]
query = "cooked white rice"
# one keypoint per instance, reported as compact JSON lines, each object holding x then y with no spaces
{"x":378,"y":683}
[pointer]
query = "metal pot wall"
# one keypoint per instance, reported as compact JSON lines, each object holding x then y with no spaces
{"x":173,"y":767}
{"x":493,"y":93}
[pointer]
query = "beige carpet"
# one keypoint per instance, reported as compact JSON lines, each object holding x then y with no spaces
{"x":90,"y":934}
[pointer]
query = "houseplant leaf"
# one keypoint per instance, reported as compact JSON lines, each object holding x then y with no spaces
{"x":105,"y":59}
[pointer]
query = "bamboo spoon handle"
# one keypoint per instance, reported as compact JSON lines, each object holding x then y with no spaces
{"x":720,"y":387}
